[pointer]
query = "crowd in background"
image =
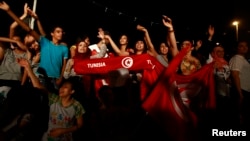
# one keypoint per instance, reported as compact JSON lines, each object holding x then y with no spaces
{"x":44,"y":98}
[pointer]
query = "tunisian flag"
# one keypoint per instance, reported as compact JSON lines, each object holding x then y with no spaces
{"x":150,"y":66}
{"x":105,"y":65}
{"x":174,"y":99}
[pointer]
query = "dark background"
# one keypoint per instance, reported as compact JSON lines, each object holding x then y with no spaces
{"x":190,"y":18}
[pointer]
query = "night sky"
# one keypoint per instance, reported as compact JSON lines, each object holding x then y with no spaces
{"x":190,"y":18}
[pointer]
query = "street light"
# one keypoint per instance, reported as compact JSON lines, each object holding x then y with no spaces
{"x":236,"y":24}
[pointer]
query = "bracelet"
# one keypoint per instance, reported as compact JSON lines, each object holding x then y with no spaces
{"x":171,"y":31}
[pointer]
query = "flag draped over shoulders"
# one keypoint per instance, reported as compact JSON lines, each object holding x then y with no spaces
{"x":174,"y":96}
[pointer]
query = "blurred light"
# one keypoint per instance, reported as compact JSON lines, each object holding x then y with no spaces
{"x":235,"y":23}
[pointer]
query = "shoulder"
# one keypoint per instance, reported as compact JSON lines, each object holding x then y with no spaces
{"x":64,"y":47}
{"x":235,"y":58}
{"x":53,"y":98}
{"x":43,"y":38}
{"x":63,"y":43}
{"x":76,"y":103}
{"x":78,"y":107}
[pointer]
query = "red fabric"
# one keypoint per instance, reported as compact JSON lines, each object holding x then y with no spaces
{"x":202,"y":80}
{"x":149,"y":78}
{"x":94,"y":52}
{"x":111,"y":54}
{"x":104,"y":65}
{"x":79,"y":55}
{"x":99,"y":83}
{"x":162,"y":90}
{"x":219,"y":62}
{"x":150,"y":66}
{"x":165,"y":103}
{"x":87,"y":84}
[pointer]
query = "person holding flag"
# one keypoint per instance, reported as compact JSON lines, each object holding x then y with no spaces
{"x":176,"y":100}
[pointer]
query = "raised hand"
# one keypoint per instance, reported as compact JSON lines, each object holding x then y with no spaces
{"x":36,"y":58}
{"x":4,"y":6}
{"x":210,"y":30}
{"x":167,"y":22}
{"x":100,"y":33}
{"x":23,"y":62}
{"x":32,"y":13}
{"x":25,"y":9}
{"x":141,"y":28}
{"x":107,"y":37}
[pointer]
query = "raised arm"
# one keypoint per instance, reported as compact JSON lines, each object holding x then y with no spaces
{"x":210,"y":32}
{"x":116,"y":49}
{"x":35,"y":81}
{"x":15,"y":24}
{"x":19,"y":43}
{"x":67,"y":72}
{"x":150,"y":46}
{"x":4,"y":6}
{"x":170,"y":35}
{"x":101,"y":44}
{"x":38,"y":22}
{"x":113,"y":45}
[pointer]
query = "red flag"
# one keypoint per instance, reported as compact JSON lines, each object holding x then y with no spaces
{"x":105,"y":65}
{"x":149,"y":78}
{"x":102,"y":66}
{"x":170,"y":100}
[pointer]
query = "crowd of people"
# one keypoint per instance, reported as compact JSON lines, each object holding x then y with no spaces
{"x":44,"y":96}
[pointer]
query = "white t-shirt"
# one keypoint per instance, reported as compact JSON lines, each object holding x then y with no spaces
{"x":239,"y":63}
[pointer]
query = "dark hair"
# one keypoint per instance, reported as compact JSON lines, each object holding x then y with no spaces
{"x":243,"y":40}
{"x":4,"y":45}
{"x":188,"y":39}
{"x":217,"y":44}
{"x":53,"y":27}
{"x":237,"y":44}
{"x":81,"y":38}
{"x":106,"y":32}
{"x":124,"y":35}
{"x":85,"y":55}
{"x":70,"y":81}
{"x":84,"y":37}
